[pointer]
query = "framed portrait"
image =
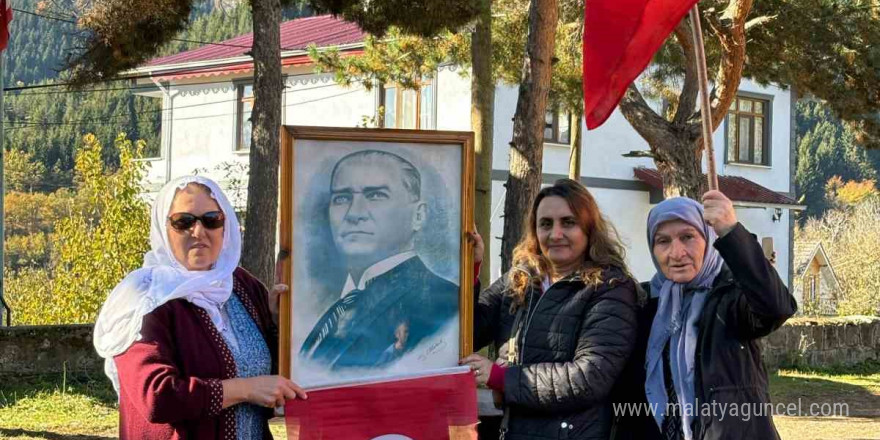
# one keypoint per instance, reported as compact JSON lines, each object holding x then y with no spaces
{"x":380,"y":270}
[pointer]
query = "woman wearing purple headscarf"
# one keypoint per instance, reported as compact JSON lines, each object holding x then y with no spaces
{"x":697,"y":366}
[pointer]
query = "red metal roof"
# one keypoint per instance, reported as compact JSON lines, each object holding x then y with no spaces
{"x":323,"y":31}
{"x":736,"y":188}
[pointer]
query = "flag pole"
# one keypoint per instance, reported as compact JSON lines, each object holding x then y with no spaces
{"x":705,"y":104}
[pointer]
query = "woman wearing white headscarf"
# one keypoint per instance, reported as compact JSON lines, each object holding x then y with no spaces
{"x":189,"y":340}
{"x":697,"y":366}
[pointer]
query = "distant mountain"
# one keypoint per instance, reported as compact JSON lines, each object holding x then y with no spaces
{"x":50,"y":122}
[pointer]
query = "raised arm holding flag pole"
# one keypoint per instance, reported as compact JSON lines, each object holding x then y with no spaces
{"x":714,"y":293}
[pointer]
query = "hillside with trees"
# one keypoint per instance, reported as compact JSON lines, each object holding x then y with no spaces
{"x":48,"y":123}
{"x":66,"y":150}
{"x":827,"y":149}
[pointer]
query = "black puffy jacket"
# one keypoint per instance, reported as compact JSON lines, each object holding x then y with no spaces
{"x":748,"y":301}
{"x":572,"y":344}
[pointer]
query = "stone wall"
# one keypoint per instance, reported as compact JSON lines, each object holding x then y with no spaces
{"x":823,"y":342}
{"x":813,"y":342}
{"x":51,"y":349}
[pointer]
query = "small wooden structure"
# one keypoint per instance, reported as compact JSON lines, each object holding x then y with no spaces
{"x":816,"y":287}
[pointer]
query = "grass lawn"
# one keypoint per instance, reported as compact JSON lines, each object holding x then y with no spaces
{"x":50,"y":409}
{"x":85,"y":409}
{"x":855,"y":392}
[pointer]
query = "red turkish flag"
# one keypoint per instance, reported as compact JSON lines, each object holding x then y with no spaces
{"x":5,"y":18}
{"x":424,"y":408}
{"x":620,"y":38}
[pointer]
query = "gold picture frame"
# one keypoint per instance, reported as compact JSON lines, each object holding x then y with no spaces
{"x":318,"y":141}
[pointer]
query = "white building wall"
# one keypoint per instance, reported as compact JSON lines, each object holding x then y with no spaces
{"x":759,"y":222}
{"x":603,"y":149}
{"x":203,"y":131}
{"x":453,"y":99}
{"x":315,"y":99}
{"x":628,"y":212}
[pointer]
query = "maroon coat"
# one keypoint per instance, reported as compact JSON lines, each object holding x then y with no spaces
{"x":170,"y":380}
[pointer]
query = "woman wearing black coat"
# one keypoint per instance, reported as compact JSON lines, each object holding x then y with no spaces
{"x":697,"y":371}
{"x":564,"y":320}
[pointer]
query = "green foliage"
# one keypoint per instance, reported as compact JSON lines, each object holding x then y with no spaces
{"x":826,"y":48}
{"x":122,"y":34}
{"x":509,"y":32}
{"x":46,"y":124}
{"x":36,"y":47}
{"x":98,"y":247}
{"x":406,"y":58}
{"x":99,"y":239}
{"x":20,"y":172}
{"x":119,"y":35}
{"x":422,"y":17}
{"x":827,"y":148}
{"x":396,"y":58}
{"x":29,"y":294}
{"x":214,"y":25}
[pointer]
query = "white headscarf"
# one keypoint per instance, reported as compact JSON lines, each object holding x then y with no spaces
{"x":162,"y":278}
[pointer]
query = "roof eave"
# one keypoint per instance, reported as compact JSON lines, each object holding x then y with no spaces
{"x":748,"y":204}
{"x":821,"y":250}
{"x":220,"y":62}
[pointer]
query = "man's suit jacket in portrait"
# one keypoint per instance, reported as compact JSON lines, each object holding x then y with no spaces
{"x":360,"y":330}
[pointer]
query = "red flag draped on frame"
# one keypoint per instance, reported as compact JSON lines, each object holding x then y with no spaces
{"x":425,"y":408}
{"x":5,"y":18}
{"x":620,"y":38}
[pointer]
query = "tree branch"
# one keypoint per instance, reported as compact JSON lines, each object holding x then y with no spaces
{"x":732,"y":37}
{"x":687,"y":101}
{"x":758,"y":21}
{"x":651,"y":126}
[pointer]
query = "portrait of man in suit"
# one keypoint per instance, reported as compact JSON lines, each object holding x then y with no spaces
{"x":391,"y":301}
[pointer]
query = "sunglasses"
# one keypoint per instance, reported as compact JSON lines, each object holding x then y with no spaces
{"x":183,"y":221}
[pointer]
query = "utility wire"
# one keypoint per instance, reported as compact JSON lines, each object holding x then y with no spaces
{"x":132,"y":77}
{"x":182,"y":40}
{"x":108,"y":120}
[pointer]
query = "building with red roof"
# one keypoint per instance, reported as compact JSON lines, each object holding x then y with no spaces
{"x":207,"y":95}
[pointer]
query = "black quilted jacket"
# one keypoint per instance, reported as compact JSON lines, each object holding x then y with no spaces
{"x":571,"y":345}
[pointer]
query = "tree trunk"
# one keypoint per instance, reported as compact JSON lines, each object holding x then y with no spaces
{"x":574,"y":158}
{"x":262,"y":204}
{"x":680,"y":167}
{"x":677,"y":154}
{"x":676,"y":144}
{"x":482,"y":122}
{"x":527,"y":147}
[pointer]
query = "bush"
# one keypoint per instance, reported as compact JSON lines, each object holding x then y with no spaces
{"x":103,"y":237}
{"x":32,"y":250}
{"x":29,"y":294}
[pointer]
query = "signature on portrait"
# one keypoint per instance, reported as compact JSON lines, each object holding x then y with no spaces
{"x":434,"y":348}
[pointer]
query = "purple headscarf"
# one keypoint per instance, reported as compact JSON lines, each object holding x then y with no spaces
{"x":678,"y":313}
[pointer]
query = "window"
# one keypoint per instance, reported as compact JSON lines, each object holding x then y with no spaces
{"x":244,"y":106}
{"x":557,"y":127}
{"x":748,"y":131}
{"x":413,"y":109}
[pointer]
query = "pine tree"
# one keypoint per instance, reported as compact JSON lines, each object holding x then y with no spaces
{"x":827,"y":148}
